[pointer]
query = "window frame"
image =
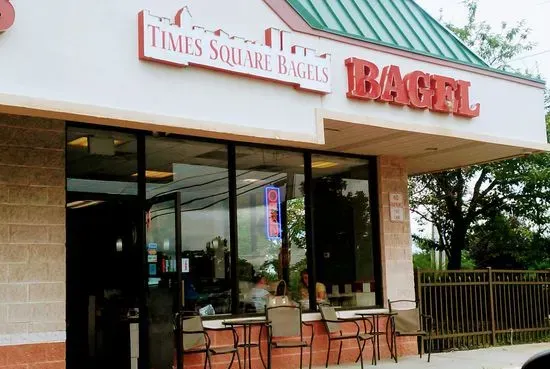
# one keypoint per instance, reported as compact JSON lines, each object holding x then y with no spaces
{"x":233,"y":226}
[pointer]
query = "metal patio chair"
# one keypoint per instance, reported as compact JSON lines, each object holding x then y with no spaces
{"x":285,"y":330}
{"x":410,"y":323}
{"x":333,"y":325}
{"x":196,"y":340}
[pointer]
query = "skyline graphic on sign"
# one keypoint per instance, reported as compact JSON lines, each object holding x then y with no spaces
{"x":182,"y":43}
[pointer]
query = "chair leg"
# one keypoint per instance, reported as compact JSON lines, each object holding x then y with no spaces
{"x":238,"y":358}
{"x":421,"y":346}
{"x":374,"y":351}
{"x":339,"y":353}
{"x":209,"y":359}
{"x":205,"y":359}
{"x":328,"y":352}
{"x":231,"y":362}
{"x":360,"y":351}
{"x":395,"y":347}
{"x":310,"y":355}
{"x":269,"y":349}
{"x":301,"y":356}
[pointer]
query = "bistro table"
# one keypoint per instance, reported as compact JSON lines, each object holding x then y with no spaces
{"x":247,"y":343}
{"x":376,"y":326}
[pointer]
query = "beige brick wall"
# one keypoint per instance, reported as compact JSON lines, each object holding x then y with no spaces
{"x":32,"y":228}
{"x":395,"y":237}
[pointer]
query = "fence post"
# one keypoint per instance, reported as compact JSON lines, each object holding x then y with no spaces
{"x":492,"y":307}
{"x":418,"y":289}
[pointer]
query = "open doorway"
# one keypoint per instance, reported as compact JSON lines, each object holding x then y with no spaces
{"x":103,"y":280}
{"x":104,"y":253}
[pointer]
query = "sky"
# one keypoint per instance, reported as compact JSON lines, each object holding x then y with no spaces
{"x":536,"y":13}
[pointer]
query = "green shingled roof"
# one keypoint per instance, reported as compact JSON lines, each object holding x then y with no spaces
{"x":401,"y":24}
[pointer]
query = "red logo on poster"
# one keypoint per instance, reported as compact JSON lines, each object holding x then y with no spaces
{"x":416,"y":89}
{"x":7,"y":15}
{"x":273,"y":213}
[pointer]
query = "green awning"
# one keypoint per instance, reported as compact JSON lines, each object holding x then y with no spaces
{"x":400,"y":24}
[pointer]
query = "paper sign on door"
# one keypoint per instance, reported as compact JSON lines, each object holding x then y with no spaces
{"x":185,"y":265}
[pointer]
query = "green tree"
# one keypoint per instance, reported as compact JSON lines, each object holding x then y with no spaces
{"x":457,"y":200}
{"x":496,"y":47}
{"x":296,"y":221}
{"x":422,"y":260}
{"x":507,"y":243}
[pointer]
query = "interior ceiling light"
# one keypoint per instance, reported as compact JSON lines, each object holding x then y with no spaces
{"x":83,"y":204}
{"x":323,"y":164}
{"x":83,"y":142}
{"x":154,"y":174}
{"x":250,"y":180}
{"x":79,"y":142}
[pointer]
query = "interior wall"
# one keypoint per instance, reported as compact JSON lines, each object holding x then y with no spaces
{"x":32,"y":240}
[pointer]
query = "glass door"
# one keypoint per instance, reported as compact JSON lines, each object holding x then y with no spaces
{"x":163,"y":247}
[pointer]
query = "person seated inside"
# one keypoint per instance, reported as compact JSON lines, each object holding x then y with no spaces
{"x":259,"y":295}
{"x":320,"y":289}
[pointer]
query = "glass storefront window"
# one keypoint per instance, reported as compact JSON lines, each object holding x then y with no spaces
{"x":271,"y":226}
{"x":199,"y":172}
{"x":270,"y":218}
{"x":100,"y":161}
{"x":184,"y":259}
{"x":343,"y":230}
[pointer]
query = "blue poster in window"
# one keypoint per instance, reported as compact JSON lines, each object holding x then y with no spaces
{"x":273,"y":213}
{"x":152,"y":269}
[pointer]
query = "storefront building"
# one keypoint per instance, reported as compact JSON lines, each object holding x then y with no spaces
{"x":166,"y":155}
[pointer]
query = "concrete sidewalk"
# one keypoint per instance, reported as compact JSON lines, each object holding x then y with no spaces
{"x":505,"y":357}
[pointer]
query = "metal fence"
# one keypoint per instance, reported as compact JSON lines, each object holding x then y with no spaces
{"x":479,"y":308}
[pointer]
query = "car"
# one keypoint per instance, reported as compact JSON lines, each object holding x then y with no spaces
{"x":538,"y":361}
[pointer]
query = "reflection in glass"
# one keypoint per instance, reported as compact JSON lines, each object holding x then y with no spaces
{"x":343,"y":230}
{"x":271,"y":227}
{"x":100,"y":161}
{"x":199,"y":172}
{"x":162,"y":283}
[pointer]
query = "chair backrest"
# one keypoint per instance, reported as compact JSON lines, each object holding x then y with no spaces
{"x":329,"y":313}
{"x":192,"y":340}
{"x":281,"y":288}
{"x":286,"y":321}
{"x":406,"y":320}
{"x":273,"y":301}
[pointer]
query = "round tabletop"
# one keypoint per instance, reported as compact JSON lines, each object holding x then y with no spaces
{"x":378,"y":313}
{"x":262,"y":321}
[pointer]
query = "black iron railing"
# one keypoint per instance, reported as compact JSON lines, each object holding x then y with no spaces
{"x":480,"y":308}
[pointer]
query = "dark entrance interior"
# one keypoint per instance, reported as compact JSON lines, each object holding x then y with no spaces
{"x":103,"y":279}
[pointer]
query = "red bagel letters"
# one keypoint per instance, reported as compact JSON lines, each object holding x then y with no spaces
{"x":416,"y":89}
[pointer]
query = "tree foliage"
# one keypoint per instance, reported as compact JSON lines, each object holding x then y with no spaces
{"x":505,"y":242}
{"x":462,"y":202}
{"x":496,"y":47}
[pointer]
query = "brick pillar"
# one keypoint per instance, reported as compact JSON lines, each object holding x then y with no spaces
{"x":32,"y":242}
{"x":395,"y":237}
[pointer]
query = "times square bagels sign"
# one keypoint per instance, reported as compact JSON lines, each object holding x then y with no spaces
{"x":181,"y":43}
